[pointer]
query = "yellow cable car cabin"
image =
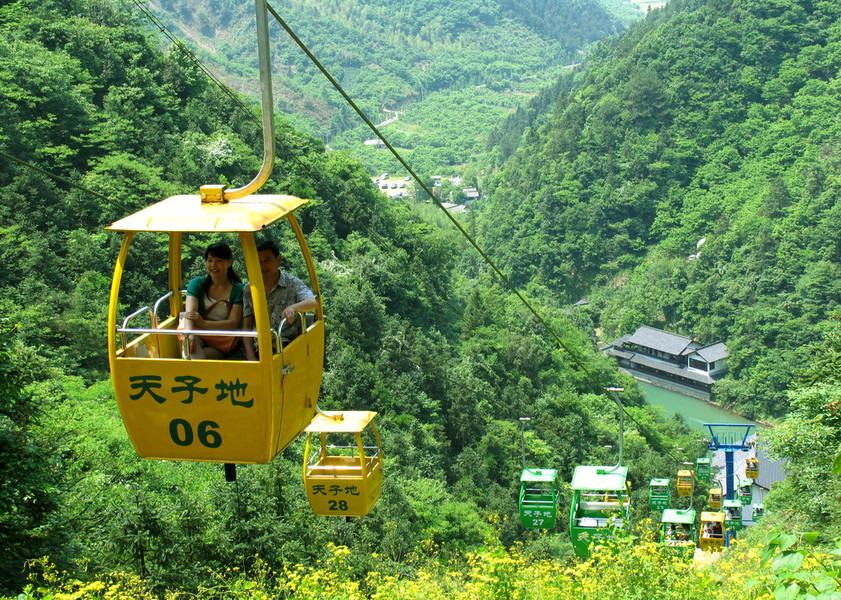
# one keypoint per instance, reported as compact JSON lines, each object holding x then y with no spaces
{"x":685,"y":483}
{"x":229,"y":411}
{"x":344,"y":478}
{"x":715,"y":497}
{"x":712,"y":532}
{"x":752,"y":468}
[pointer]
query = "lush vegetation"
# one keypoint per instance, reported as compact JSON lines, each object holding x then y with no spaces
{"x":781,"y":565}
{"x":474,"y":60}
{"x":711,"y":128}
{"x":449,"y":363}
{"x":418,"y":330}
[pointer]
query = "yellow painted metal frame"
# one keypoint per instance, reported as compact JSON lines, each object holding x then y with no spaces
{"x":346,"y":486}
{"x":714,"y":543}
{"x":715,"y":497}
{"x":214,"y":410}
{"x":685,"y":483}
{"x":752,"y":468}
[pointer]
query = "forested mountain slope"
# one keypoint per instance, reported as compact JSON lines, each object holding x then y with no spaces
{"x":417,"y":332}
{"x":448,"y":361}
{"x":688,"y":179}
{"x":449,"y":69}
{"x":386,"y":52}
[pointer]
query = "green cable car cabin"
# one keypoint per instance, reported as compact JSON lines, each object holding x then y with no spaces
{"x":659,"y":494}
{"x":752,"y":468}
{"x":601,"y":504}
{"x":732,"y":515}
{"x":757,"y":512}
{"x":539,"y":496}
{"x":343,"y":478}
{"x":746,"y":492}
{"x":685,"y":483}
{"x":677,"y":530}
{"x":712,"y":532}
{"x":703,"y":470}
{"x":715,"y":498}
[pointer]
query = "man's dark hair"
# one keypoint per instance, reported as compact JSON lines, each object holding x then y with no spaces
{"x":269,"y":245}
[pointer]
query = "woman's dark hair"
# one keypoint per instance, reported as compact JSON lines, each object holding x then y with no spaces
{"x":223,"y":251}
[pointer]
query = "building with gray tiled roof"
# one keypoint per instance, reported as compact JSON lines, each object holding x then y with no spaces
{"x":671,"y":357}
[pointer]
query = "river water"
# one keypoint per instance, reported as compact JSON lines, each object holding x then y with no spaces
{"x":695,"y":412}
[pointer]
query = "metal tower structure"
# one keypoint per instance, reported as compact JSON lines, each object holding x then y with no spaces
{"x":729,"y":437}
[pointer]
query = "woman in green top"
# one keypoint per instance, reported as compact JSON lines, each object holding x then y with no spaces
{"x":214,"y":301}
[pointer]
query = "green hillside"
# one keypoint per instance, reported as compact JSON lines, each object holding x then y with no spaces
{"x":449,"y":365}
{"x":470,"y":61}
{"x":685,"y":179}
{"x":418,"y":330}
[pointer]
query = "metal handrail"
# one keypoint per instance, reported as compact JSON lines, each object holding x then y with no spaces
{"x":222,"y":332}
{"x":157,"y":304}
{"x":185,"y":332}
{"x":122,"y":331}
{"x":541,"y":491}
{"x":317,"y":456}
{"x":135,"y":314}
{"x":154,"y":330}
{"x":303,"y":325}
{"x":367,"y":465}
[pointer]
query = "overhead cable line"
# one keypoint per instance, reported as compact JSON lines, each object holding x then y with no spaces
{"x":425,"y":187}
{"x":194,"y":59}
{"x":235,"y":98}
{"x":600,"y":388}
{"x":63,"y":180}
{"x":364,"y":117}
{"x":338,"y":87}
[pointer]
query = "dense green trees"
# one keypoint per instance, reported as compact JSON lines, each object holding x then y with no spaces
{"x":808,"y":440}
{"x":448,"y":362}
{"x":685,"y":180}
{"x":489,"y":56}
{"x":29,"y":499}
{"x":711,"y":121}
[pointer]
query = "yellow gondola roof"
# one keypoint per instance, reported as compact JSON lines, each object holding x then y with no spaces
{"x":188,"y":213}
{"x":353,"y":422}
{"x":714,"y":517}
